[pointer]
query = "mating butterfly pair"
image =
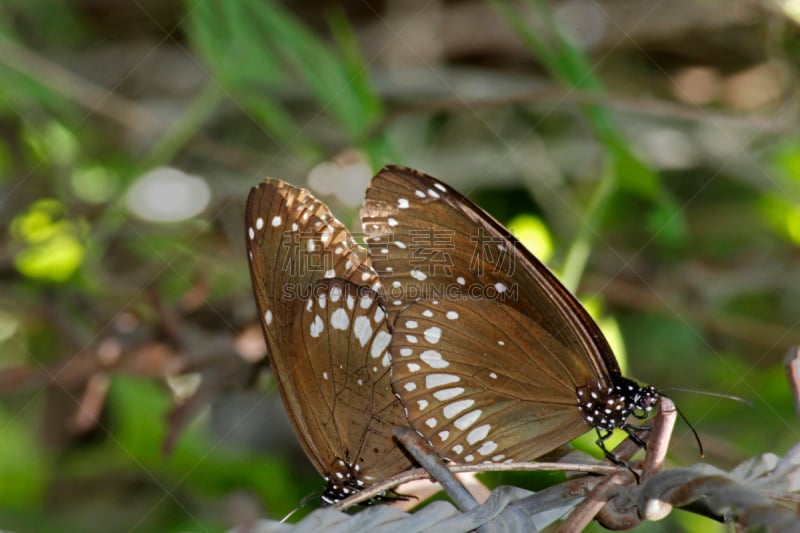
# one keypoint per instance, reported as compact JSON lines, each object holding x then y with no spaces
{"x":446,"y":323}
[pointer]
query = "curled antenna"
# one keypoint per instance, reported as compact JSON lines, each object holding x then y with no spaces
{"x":694,"y":431}
{"x":703,"y":393}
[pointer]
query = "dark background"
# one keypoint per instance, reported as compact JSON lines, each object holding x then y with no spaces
{"x":646,"y":150}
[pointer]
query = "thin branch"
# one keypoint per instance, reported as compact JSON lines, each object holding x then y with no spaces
{"x":85,"y":93}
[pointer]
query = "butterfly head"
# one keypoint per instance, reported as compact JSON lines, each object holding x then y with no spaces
{"x":644,"y":400}
{"x":608,"y":407}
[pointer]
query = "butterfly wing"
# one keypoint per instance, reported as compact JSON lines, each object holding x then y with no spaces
{"x":294,"y":242}
{"x":474,"y":391}
{"x":430,"y":244}
{"x":340,"y":378}
{"x":426,"y":240}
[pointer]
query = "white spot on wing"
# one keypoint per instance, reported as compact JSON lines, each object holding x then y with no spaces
{"x":433,"y":381}
{"x":379,"y":345}
{"x":413,"y":367}
{"x":452,"y":409}
{"x":418,"y":274}
{"x":336,"y":293}
{"x":433,"y":334}
{"x":433,"y":359}
{"x":365,"y":301}
{"x":339,"y":318}
{"x":402,"y":203}
{"x":276,"y":221}
{"x":392,"y":222}
{"x":452,"y":315}
{"x":468,"y":419}
{"x":478,"y":434}
{"x":487,"y":448}
{"x":411,"y":324}
{"x":251,"y":233}
{"x":501,"y":287}
{"x":379,"y":314}
{"x":362,"y":330}
{"x":268,"y":317}
{"x":431,"y":422}
{"x":260,"y":223}
{"x":448,"y":394}
{"x":316,"y":327}
{"x":410,"y":386}
{"x":444,"y":435}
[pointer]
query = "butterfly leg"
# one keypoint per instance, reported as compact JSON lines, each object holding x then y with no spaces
{"x":602,"y":436}
{"x":630,"y":430}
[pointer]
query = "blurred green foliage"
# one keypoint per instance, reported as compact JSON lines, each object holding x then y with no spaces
{"x":710,"y":250}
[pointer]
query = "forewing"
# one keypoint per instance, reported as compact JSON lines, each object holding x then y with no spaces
{"x":426,"y":240}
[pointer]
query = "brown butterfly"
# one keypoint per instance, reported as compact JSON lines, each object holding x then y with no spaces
{"x":327,"y":337}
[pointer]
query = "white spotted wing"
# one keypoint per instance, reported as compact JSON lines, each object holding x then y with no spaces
{"x":497,"y":372}
{"x":472,"y":389}
{"x":293,"y":242}
{"x":340,"y":376}
{"x":426,"y":241}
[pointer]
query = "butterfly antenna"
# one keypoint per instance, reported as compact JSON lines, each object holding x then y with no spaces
{"x":694,"y":431}
{"x":709,"y":393}
{"x":305,"y":501}
{"x":288,"y":516}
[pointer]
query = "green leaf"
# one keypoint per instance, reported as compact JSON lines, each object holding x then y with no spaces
{"x":228,"y":37}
